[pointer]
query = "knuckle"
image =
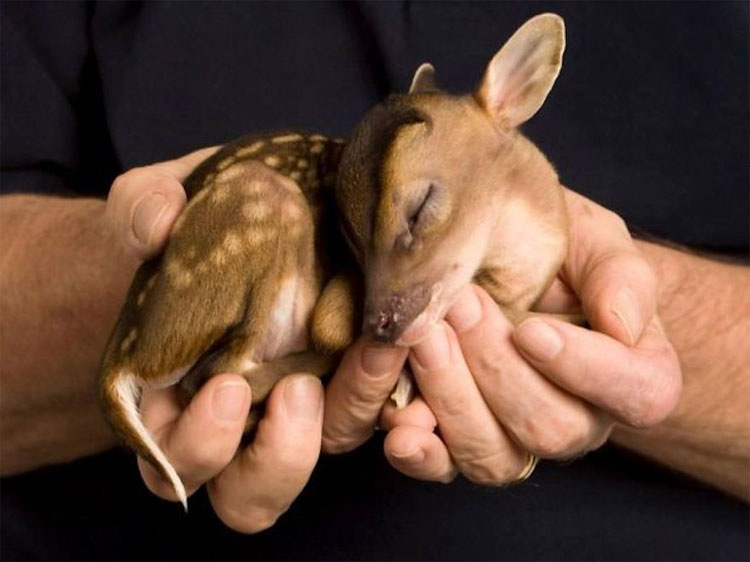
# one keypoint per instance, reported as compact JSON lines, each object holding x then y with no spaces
{"x":657,"y":400}
{"x":487,"y":364}
{"x":293,"y":462}
{"x":615,"y":221}
{"x":452,"y":407}
{"x":127,"y":180}
{"x":489,"y":360}
{"x":145,"y":177}
{"x":493,"y":470}
{"x":203,"y":459}
{"x":252,"y":521}
{"x":556,"y":437}
{"x":243,"y":517}
{"x":164,"y":184}
{"x":366,"y":395}
{"x":337,"y":443}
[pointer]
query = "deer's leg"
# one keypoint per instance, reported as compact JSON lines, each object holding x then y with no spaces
{"x":337,"y":314}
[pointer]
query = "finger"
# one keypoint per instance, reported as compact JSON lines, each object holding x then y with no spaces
{"x":144,"y":203}
{"x":616,"y":285}
{"x":543,"y":418}
{"x":419,"y":453}
{"x":363,"y":382}
{"x":258,"y":486}
{"x":182,"y":167}
{"x":201,"y":440}
{"x":478,"y":445}
{"x":417,"y":413}
{"x":558,"y":299}
{"x":639,"y":386}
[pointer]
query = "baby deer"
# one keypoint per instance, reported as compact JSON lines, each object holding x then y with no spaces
{"x":432,"y":192}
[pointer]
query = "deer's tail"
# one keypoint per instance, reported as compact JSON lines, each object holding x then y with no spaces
{"x":120,"y":393}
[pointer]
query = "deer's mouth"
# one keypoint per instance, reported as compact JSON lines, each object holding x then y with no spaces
{"x":418,"y":329}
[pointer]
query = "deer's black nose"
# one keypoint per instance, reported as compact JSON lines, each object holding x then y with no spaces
{"x":383,"y":326}
{"x":387,"y":318}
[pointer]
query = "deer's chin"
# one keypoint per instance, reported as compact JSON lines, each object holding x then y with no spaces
{"x":431,"y":315}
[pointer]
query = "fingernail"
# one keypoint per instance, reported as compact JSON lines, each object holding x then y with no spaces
{"x":228,"y":401}
{"x":302,"y":399}
{"x":147,"y":214}
{"x":413,"y":456}
{"x":380,"y":360}
{"x":539,"y":339}
{"x":627,"y":309}
{"x":433,"y":352}
{"x":466,"y":311}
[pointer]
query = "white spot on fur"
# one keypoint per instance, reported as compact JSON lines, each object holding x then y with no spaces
{"x":232,"y":243}
{"x":179,"y":275}
{"x":218,"y":256}
{"x":246,"y":364}
{"x":272,"y":161}
{"x":286,"y":138}
{"x":254,"y":188}
{"x":256,"y":236}
{"x":248,"y":150}
{"x":179,"y":222}
{"x":225,"y":163}
{"x":291,"y":210}
{"x":230,"y":174}
{"x":256,"y":210}
{"x":127,"y":343}
{"x":316,"y":148}
{"x":198,"y":196}
{"x":220,"y":194}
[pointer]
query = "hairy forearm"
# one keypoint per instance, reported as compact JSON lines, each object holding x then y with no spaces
{"x":62,"y":281}
{"x":705,"y":309}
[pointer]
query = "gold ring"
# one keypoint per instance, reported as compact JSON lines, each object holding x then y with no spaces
{"x":528,"y":468}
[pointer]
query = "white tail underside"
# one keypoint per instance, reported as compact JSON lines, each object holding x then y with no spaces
{"x":128,"y":392}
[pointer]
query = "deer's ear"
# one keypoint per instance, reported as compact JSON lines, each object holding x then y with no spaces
{"x":521,"y":74}
{"x":424,"y":79}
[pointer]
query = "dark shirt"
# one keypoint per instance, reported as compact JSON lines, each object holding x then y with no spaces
{"x":649,"y":118}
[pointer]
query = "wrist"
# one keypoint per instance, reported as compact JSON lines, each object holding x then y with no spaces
{"x":63,"y":278}
{"x":706,"y":316}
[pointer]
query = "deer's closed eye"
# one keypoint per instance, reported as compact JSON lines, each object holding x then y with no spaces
{"x":419,"y":209}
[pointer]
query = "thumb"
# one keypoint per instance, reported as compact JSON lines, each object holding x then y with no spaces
{"x":143,"y":203}
{"x":613,"y":281}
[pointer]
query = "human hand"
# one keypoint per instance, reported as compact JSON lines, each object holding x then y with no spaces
{"x":494,"y":393}
{"x":248,"y":488}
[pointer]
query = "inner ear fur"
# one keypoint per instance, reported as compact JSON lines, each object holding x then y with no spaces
{"x":424,"y":79}
{"x":522,"y":72}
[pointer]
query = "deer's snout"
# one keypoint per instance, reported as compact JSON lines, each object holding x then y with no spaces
{"x":388,"y":317}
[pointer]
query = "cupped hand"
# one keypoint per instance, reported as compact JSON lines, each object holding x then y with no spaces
{"x":493,"y":396}
{"x":249,"y":487}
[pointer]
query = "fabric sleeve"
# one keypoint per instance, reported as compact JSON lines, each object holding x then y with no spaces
{"x":54,"y":137}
